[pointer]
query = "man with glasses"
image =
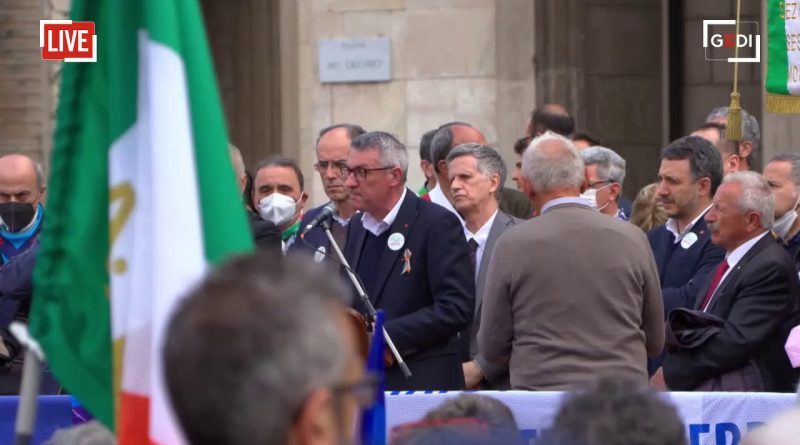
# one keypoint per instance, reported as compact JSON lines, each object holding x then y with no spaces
{"x":258,"y":355}
{"x":333,"y":147}
{"x":605,"y":171}
{"x":413,"y":260}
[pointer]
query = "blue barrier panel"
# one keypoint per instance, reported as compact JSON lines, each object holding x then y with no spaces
{"x":52,"y":413}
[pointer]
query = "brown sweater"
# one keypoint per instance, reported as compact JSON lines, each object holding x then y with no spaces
{"x":570,"y":295}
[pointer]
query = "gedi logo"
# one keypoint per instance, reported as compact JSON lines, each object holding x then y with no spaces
{"x":722,"y":34}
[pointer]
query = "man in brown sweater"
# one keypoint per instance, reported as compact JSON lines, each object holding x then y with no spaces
{"x":571,"y":294}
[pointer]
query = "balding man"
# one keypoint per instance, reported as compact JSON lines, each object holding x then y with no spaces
{"x":550,"y":117}
{"x":450,"y":136}
{"x":714,"y":132}
{"x":22,"y":190}
{"x":550,"y":330}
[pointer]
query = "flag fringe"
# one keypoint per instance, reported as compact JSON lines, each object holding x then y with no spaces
{"x":781,"y":103}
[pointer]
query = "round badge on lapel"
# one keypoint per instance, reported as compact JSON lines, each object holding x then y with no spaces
{"x":689,"y":239}
{"x":396,"y":241}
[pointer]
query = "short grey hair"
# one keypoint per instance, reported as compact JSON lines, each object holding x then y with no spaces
{"x":555,"y":169}
{"x":794,"y":160}
{"x":489,"y":160}
{"x":392,"y":151}
{"x":39,"y":170}
{"x":610,"y":165}
{"x":270,"y":334}
{"x":238,"y":160}
{"x":756,"y":195}
{"x":750,"y":129}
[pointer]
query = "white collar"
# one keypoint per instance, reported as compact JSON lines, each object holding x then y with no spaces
{"x":672,"y":225}
{"x":564,"y":200}
{"x":377,"y":227}
{"x":483,"y":233}
{"x":738,"y":253}
{"x":437,"y":197}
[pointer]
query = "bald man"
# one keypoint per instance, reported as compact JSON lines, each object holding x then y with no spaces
{"x":550,"y":117}
{"x":22,"y":190}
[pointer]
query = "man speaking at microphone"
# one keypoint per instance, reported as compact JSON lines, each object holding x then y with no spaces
{"x":414,"y":262}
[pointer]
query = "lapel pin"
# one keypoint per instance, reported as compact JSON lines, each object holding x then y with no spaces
{"x":406,"y":262}
{"x":396,"y":241}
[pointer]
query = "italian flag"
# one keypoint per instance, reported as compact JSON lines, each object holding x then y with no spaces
{"x":142,"y":200}
{"x":783,"y":57}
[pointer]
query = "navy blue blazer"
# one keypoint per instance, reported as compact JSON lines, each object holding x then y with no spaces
{"x":679,"y":268}
{"x":427,"y":305}
{"x":315,"y":237}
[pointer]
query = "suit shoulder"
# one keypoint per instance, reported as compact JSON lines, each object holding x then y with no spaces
{"x":311,"y":213}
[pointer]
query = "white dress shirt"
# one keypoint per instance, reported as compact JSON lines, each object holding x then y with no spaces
{"x":672,"y":226}
{"x":733,"y":258}
{"x":376,"y":227}
{"x":437,"y":197}
{"x":480,"y":237}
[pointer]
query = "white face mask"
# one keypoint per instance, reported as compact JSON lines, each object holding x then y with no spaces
{"x":590,"y":196}
{"x":277,"y":208}
{"x":783,"y":224}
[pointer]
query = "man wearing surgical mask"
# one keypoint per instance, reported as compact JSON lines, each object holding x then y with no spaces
{"x":605,"y":171}
{"x":278,"y":195}
{"x":783,"y":175}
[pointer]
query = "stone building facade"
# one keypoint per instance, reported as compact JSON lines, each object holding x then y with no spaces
{"x":632,"y":71}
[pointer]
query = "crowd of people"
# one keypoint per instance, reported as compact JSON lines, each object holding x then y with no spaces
{"x":693,"y":286}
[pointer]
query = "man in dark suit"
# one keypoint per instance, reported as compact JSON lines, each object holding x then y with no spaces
{"x":754,"y":290}
{"x":690,"y":172}
{"x":413,"y":260}
{"x":476,"y":175}
{"x":333,"y":147}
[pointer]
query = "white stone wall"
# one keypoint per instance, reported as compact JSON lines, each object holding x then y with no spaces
{"x":444,"y":68}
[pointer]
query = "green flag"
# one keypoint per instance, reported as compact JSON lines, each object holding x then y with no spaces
{"x":142,"y":199}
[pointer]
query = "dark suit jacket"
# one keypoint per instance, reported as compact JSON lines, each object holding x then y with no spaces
{"x":760,"y":303}
{"x":501,"y":223}
{"x":266,"y":235}
{"x":315,"y":237}
{"x":680,"y":269}
{"x":426,"y":307}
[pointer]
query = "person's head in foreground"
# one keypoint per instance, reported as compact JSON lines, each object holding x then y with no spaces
{"x":615,"y":411}
{"x":261,"y":352}
{"x":782,"y":430}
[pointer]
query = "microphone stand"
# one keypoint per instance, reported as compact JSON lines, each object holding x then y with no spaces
{"x":362,"y":294}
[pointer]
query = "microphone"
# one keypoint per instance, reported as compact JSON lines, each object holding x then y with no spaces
{"x":325,"y":213}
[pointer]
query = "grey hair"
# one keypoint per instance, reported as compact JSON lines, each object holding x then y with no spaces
{"x":392,"y":151}
{"x":39,"y":170}
{"x":238,"y":160}
{"x":756,"y":195}
{"x":610,"y":165}
{"x":274,"y":333}
{"x":794,"y":160}
{"x":489,"y":160}
{"x":750,"y":129}
{"x":553,"y":170}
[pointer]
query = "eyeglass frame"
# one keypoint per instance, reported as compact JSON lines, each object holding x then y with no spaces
{"x":592,"y":185}
{"x":347,"y":171}
{"x":338,"y":164}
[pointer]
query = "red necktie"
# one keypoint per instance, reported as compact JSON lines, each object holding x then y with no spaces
{"x":723,"y":267}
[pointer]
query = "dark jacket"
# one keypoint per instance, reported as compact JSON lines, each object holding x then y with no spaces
{"x":266,"y":235}
{"x":515,"y":203}
{"x":426,"y":288}
{"x":681,"y":268}
{"x":759,"y":301}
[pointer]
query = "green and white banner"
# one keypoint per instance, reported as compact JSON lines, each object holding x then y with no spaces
{"x":783,"y":57}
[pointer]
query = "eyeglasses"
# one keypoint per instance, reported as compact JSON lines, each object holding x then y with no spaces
{"x":364,"y":391}
{"x":361,"y":172}
{"x":595,"y":184}
{"x":322,"y":166}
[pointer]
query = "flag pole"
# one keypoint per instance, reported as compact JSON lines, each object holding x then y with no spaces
{"x":29,"y":391}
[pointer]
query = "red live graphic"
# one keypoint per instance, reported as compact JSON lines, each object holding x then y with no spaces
{"x":68,"y":40}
